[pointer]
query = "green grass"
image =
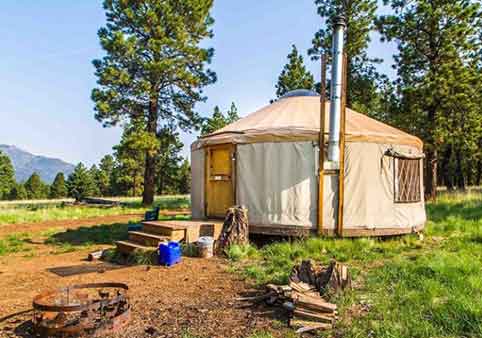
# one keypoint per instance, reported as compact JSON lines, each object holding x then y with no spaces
{"x":417,"y":288}
{"x":14,"y":243}
{"x":32,"y":212}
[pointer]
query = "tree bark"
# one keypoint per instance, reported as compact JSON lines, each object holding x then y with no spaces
{"x":150,"y":170}
{"x":445,"y":174}
{"x":478,"y":176}
{"x":459,"y":172}
{"x":431,"y":174}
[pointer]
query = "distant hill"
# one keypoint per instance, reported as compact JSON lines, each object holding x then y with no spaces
{"x":26,"y":163}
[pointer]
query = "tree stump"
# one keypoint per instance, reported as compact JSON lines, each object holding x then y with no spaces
{"x":235,"y":229}
{"x":325,"y":279}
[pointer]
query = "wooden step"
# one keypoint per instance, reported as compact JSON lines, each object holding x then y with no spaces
{"x":174,"y":233}
{"x":147,"y":239}
{"x":128,"y":247}
{"x":189,"y":231}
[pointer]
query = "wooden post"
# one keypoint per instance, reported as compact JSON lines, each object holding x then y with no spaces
{"x":341,"y":173}
{"x":321,"y":160}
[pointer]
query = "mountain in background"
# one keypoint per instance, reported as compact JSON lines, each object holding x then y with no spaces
{"x":25,"y":164}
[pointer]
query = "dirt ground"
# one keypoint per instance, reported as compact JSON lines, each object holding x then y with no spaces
{"x":6,"y":229}
{"x":195,"y":296}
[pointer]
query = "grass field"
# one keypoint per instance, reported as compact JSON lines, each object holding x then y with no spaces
{"x":415,"y":288}
{"x":39,"y":211}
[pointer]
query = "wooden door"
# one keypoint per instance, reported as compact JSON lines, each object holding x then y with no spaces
{"x":219,"y":180}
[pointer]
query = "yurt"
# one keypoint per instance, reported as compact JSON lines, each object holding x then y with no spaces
{"x":268,"y":162}
{"x":349,"y":175}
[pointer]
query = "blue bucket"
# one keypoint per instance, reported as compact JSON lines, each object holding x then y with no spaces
{"x":170,"y":253}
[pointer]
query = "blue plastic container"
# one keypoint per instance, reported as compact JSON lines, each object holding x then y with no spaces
{"x":170,"y":253}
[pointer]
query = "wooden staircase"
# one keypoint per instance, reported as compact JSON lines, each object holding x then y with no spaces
{"x":155,"y":232}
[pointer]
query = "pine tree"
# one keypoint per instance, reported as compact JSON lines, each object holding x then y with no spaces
{"x":168,"y":161}
{"x":36,"y":188}
{"x":58,"y":188}
{"x":294,"y":75}
{"x":95,"y":174}
{"x":438,"y":44}
{"x":104,"y":179}
{"x":154,"y":69}
{"x":80,"y":183}
{"x":18,"y":192}
{"x":130,"y":155}
{"x":213,"y":123}
{"x":7,"y":176}
{"x":219,"y":120}
{"x":232,"y":114}
{"x":184,"y":178}
{"x":363,"y":79}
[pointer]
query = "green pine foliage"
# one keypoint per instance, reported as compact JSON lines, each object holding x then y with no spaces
{"x":58,"y":189}
{"x":184,"y":178}
{"x":36,"y":188}
{"x":154,"y":68}
{"x":438,"y":67}
{"x":94,"y":174}
{"x":104,"y":177}
{"x":219,"y":119}
{"x":7,"y":176}
{"x":130,"y":155}
{"x":168,"y":161}
{"x":294,"y":75}
{"x":18,"y":192}
{"x":232,"y":115}
{"x":363,"y":79}
{"x":80,"y":183}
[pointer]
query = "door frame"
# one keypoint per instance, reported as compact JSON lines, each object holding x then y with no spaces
{"x":207,"y":155}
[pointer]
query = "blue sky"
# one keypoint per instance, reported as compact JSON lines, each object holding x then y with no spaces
{"x":46,"y":74}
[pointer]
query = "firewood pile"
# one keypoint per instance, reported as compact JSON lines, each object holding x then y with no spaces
{"x":305,"y":297}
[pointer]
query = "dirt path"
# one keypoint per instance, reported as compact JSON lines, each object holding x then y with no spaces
{"x":6,"y":229}
{"x":195,"y":296}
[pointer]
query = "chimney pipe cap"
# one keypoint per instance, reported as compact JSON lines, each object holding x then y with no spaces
{"x":339,"y":20}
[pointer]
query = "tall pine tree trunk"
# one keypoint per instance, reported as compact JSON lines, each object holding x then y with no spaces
{"x":444,"y":167}
{"x":431,"y":159}
{"x":431,"y":174}
{"x":459,"y":172}
{"x":478,"y":176}
{"x":150,"y":170}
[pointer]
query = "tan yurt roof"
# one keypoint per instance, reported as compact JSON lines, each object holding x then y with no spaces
{"x":297,"y":118}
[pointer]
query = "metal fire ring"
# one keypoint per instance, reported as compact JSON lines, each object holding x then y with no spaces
{"x":72,"y":311}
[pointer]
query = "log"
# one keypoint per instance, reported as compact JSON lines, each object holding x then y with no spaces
{"x":307,"y":325}
{"x":256,"y":298}
{"x":314,"y":316}
{"x":316,"y":304}
{"x":101,"y":201}
{"x":301,"y":286}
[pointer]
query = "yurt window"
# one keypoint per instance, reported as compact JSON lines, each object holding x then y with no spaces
{"x":407,"y":180}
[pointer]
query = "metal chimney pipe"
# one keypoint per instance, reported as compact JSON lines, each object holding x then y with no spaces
{"x":336,"y":89}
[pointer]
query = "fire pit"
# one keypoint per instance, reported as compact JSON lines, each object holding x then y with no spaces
{"x":94,"y":309}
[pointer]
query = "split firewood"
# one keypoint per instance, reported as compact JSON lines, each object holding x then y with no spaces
{"x":301,"y":286}
{"x":316,"y":304}
{"x":306,"y":325}
{"x":314,"y":316}
{"x":256,"y":298}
